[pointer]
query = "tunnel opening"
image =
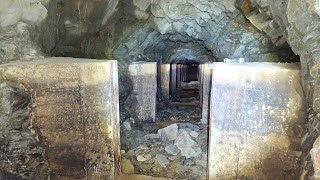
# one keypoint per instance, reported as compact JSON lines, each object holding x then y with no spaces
{"x":185,"y":84}
{"x":141,"y":32}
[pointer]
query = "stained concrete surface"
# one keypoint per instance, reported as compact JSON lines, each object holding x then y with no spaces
{"x":74,"y":114}
{"x":143,"y":96}
{"x":256,"y":122}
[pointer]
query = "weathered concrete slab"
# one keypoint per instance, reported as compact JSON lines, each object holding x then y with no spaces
{"x":184,"y":72}
{"x":173,"y":82}
{"x":75,"y":113}
{"x":256,"y":121}
{"x":179,"y":72}
{"x":206,"y":89}
{"x":144,"y":93}
{"x":165,"y":81}
{"x":201,"y":68}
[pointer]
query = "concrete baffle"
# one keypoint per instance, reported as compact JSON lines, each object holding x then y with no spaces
{"x":143,"y":96}
{"x":165,"y":81}
{"x":173,"y":82}
{"x":200,"y":80}
{"x":256,"y":121}
{"x":206,"y":91}
{"x":75,"y":113}
{"x":179,"y":72}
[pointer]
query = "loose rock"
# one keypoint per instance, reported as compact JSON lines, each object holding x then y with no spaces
{"x":184,"y":140}
{"x":162,"y":160}
{"x":127,"y":125}
{"x":168,"y":133}
{"x":171,"y":149}
{"x":141,"y":158}
{"x":127,"y":167}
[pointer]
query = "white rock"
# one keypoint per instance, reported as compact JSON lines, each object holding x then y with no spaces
{"x":168,"y":133}
{"x":194,"y":134}
{"x":171,"y":149}
{"x":162,"y":160}
{"x":190,"y":152}
{"x":184,"y":140}
{"x":127,"y":125}
{"x":141,"y":158}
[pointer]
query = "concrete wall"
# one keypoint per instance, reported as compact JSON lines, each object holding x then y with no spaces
{"x":165,"y":81}
{"x":75,"y":116}
{"x":205,"y":91}
{"x":256,"y":122}
{"x":144,"y":94}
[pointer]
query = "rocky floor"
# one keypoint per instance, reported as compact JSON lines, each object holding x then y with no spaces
{"x":173,"y":147}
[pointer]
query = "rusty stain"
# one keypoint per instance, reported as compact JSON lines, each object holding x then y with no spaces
{"x":79,"y":133}
{"x":247,"y":6}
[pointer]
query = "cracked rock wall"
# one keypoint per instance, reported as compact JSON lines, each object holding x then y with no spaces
{"x":297,"y":23}
{"x":21,"y":154}
{"x":20,"y":21}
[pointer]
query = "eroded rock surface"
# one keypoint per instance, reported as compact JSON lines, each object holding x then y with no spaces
{"x":22,"y":155}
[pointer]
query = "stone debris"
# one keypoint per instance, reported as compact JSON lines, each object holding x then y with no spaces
{"x":171,"y":149}
{"x":184,"y":140}
{"x":162,"y":160}
{"x":188,"y":126}
{"x":190,"y":152}
{"x":168,"y":133}
{"x":194,"y":134}
{"x":141,"y":158}
{"x":127,"y":125}
{"x":127,"y":167}
{"x":178,"y":149}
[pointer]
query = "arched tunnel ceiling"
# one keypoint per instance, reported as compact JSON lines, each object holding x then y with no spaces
{"x":217,"y":25}
{"x":148,"y":30}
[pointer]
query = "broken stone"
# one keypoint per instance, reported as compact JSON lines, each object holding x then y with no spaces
{"x":189,"y":162}
{"x":148,"y":156}
{"x":162,"y":159}
{"x":173,"y":157}
{"x":127,"y":125}
{"x":141,"y":158}
{"x":171,"y":149}
{"x":168,"y":133}
{"x":194,"y":134}
{"x":184,"y":140}
{"x":152,"y":136}
{"x":122,"y":151}
{"x":127,"y":167}
{"x":188,"y":125}
{"x":190,"y":152}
